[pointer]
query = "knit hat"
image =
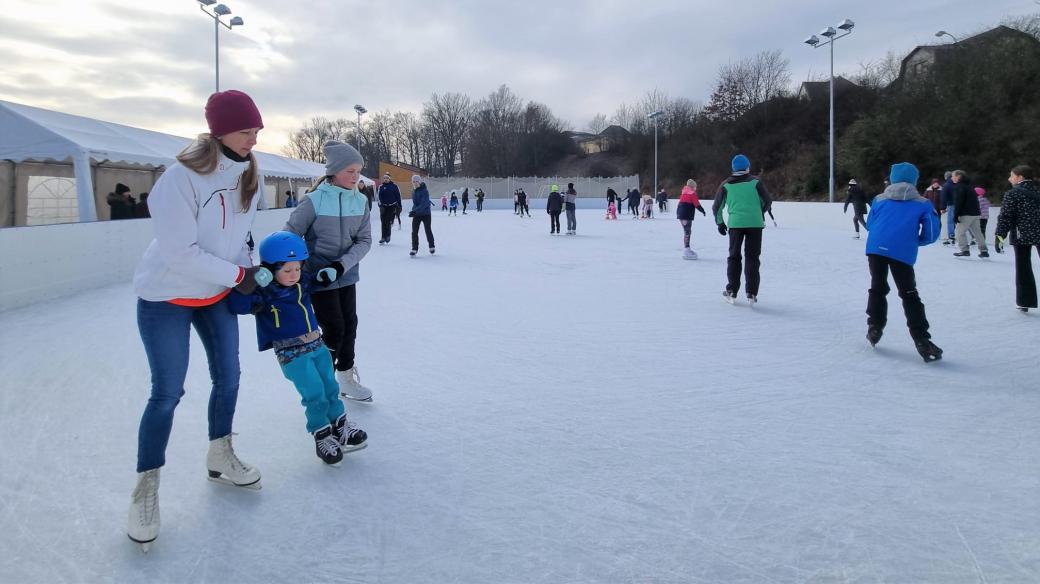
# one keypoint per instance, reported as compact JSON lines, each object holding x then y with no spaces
{"x":853,"y":182}
{"x":903,"y":172}
{"x":691,"y":183}
{"x":339,"y":156}
{"x":740,"y":163}
{"x":554,"y":189}
{"x":121,"y":188}
{"x":980,"y":191}
{"x":416,"y":179}
{"x":231,"y":111}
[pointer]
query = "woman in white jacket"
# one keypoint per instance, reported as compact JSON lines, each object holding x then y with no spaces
{"x":202,"y":211}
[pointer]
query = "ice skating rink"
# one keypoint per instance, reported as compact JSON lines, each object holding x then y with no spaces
{"x":560,"y":410}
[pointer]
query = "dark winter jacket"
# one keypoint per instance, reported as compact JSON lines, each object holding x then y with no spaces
{"x":521,"y":198}
{"x":745,"y":199}
{"x":122,"y":207}
{"x":633,"y":197}
{"x":282,"y":312}
{"x":465,"y":196}
{"x":1020,"y":214}
{"x":965,"y":201}
{"x":688,"y":205}
{"x":946,"y":193}
{"x":933,"y":195}
{"x":611,"y":196}
{"x":662,"y":197}
{"x":900,"y":221}
{"x":421,"y":204}
{"x":389,"y":194}
{"x":857,"y":198}
{"x":453,"y":202}
{"x":554,"y":204}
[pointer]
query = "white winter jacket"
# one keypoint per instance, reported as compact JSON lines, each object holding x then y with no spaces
{"x":200,"y":233}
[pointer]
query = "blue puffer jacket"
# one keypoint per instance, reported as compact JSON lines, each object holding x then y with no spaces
{"x":389,"y":194}
{"x":421,"y":201}
{"x":336,"y":225}
{"x":282,"y":312}
{"x":900,"y":221}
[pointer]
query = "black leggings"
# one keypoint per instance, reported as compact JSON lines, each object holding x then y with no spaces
{"x":554,"y":221}
{"x":337,"y":315}
{"x":877,"y":301}
{"x":857,"y":220}
{"x":1025,"y":282}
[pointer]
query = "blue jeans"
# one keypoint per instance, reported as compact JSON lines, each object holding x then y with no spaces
{"x":165,"y":330}
{"x":951,"y":223}
{"x":315,"y":379}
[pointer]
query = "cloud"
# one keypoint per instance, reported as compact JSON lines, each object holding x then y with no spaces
{"x":152,"y":65}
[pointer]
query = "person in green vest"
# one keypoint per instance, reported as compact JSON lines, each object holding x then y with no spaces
{"x":746,"y":201}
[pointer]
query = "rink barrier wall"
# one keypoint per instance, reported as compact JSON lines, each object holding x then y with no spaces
{"x":45,"y":262}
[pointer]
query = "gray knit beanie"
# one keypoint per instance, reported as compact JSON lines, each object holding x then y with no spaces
{"x":339,"y":156}
{"x":416,"y":179}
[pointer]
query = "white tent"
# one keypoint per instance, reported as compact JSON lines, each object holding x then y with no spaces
{"x":30,"y":133}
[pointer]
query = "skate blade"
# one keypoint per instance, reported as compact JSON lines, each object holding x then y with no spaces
{"x":144,"y":546}
{"x":345,"y":449}
{"x":366,"y":400}
{"x":220,"y":479}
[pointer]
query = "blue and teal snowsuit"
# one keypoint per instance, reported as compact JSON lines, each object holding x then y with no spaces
{"x":285,"y":321}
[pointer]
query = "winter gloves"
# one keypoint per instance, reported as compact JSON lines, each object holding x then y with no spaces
{"x":701,"y":209}
{"x":254,"y":276}
{"x":999,"y":244}
{"x":722,"y":229}
{"x":329,"y":274}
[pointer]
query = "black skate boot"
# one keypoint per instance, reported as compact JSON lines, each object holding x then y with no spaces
{"x":349,"y":436}
{"x":874,"y":334}
{"x":928,"y":351}
{"x":326,"y":446}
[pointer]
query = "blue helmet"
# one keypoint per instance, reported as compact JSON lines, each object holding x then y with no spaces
{"x":283,"y":246}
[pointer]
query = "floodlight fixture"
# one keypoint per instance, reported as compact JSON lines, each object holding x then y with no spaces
{"x":828,"y":32}
{"x":237,"y":21}
{"x":847,"y":25}
{"x":812,"y":41}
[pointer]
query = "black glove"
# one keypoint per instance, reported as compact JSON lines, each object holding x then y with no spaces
{"x":323,"y":276}
{"x":411,"y":213}
{"x":701,"y":209}
{"x":722,"y":229}
{"x":254,"y":276}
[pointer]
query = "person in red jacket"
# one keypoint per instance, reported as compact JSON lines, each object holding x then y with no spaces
{"x":685,"y":212}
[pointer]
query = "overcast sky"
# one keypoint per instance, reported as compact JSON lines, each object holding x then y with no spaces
{"x":149,"y":63}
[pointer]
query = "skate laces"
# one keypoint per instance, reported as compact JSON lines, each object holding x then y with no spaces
{"x":231,"y":458}
{"x":147,"y":494}
{"x":328,"y":445}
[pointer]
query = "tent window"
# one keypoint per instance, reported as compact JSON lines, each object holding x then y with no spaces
{"x":51,"y":199}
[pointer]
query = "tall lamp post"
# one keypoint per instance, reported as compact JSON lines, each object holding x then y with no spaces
{"x":218,"y":11}
{"x":814,"y":41}
{"x":943,"y":33}
{"x":653,"y":116}
{"x":360,"y":110}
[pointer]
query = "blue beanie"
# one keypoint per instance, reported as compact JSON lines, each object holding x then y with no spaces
{"x":904,"y":172}
{"x":741,"y":163}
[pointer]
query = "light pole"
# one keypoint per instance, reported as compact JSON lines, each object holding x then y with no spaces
{"x":943,"y":33}
{"x":218,"y":11}
{"x":653,"y":116}
{"x":360,"y":110}
{"x":814,"y":42}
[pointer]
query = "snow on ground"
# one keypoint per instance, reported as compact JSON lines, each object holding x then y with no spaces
{"x":561,"y":409}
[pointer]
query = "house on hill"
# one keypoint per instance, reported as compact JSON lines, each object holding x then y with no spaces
{"x":821,"y":90}
{"x":922,"y":59}
{"x":610,"y":138}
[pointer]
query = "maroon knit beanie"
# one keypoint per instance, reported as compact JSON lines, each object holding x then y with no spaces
{"x":231,"y":111}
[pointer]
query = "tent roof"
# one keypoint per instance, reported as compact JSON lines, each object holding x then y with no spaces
{"x":34,"y":133}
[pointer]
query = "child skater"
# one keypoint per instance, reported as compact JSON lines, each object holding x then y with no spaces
{"x":444,"y":202}
{"x":900,"y":221}
{"x":285,"y":321}
{"x":685,"y":212}
{"x":612,"y":211}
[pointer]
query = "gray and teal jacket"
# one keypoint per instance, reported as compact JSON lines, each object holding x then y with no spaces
{"x":336,"y":225}
{"x":746,"y":201}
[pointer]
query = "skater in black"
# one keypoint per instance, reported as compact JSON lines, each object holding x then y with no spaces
{"x":465,"y":199}
{"x":521,"y":198}
{"x":612,"y":197}
{"x":421,"y":214}
{"x":1020,"y":220}
{"x":662,"y":200}
{"x":858,"y":199}
{"x":746,"y":201}
{"x":634,"y":197}
{"x":453,"y":204}
{"x":554,"y":206}
{"x":900,"y":221}
{"x":389,"y":207}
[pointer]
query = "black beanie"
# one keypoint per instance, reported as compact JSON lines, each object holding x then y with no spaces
{"x":121,"y":188}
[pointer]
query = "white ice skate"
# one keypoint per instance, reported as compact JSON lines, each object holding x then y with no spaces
{"x":689,"y":254}
{"x":350,"y":385}
{"x":729,"y":297}
{"x":752,"y":300}
{"x":143,"y":522}
{"x":225,"y":467}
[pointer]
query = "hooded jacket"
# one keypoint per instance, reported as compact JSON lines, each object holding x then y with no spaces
{"x":1020,"y":214}
{"x":282,"y":312}
{"x":200,"y":234}
{"x":421,"y":204}
{"x":900,"y":221}
{"x":336,"y":225}
{"x":554,"y":204}
{"x":856,"y":197}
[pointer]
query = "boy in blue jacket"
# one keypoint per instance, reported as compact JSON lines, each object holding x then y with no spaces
{"x":285,"y":321}
{"x":900,"y":221}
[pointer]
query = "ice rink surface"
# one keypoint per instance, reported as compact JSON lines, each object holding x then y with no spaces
{"x":556,"y":410}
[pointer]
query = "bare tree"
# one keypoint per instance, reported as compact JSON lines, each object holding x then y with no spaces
{"x":748,"y":82}
{"x":447,"y":117}
{"x":598,"y":123}
{"x":306,"y":143}
{"x":880,"y":73}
